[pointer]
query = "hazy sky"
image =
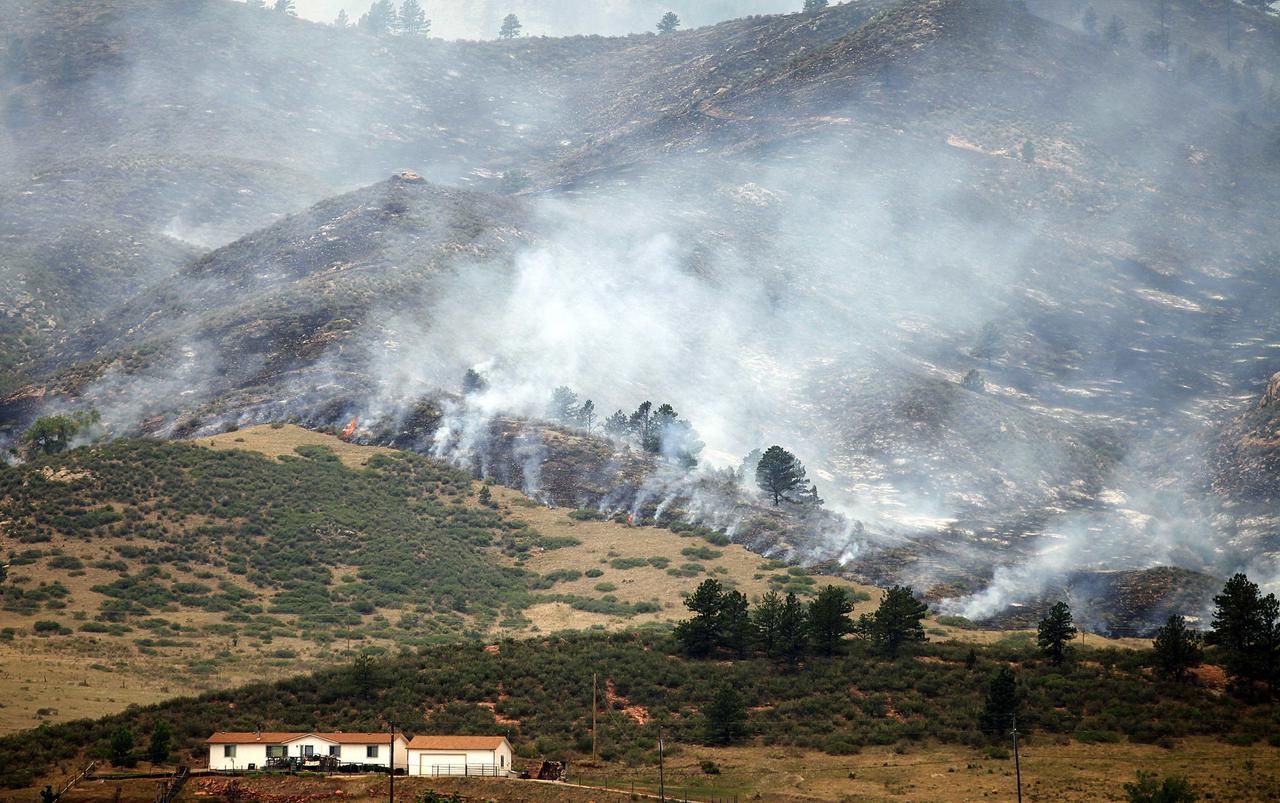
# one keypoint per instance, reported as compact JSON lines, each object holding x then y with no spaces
{"x":480,"y":19}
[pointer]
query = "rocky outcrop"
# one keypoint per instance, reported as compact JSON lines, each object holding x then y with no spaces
{"x":1247,"y":458}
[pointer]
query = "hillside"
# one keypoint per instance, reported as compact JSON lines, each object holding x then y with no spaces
{"x":538,"y":692}
{"x":999,"y":281}
{"x":224,"y":564}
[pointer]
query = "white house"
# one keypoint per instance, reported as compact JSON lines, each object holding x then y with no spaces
{"x":250,"y":751}
{"x":459,"y":755}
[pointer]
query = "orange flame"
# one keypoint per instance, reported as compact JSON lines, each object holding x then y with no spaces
{"x":350,"y":430}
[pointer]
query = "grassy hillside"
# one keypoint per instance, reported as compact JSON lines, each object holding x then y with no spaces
{"x":274,"y":550}
{"x":538,"y":692}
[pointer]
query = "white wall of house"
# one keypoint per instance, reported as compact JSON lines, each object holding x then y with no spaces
{"x":256,"y":754}
{"x":425,"y":762}
{"x":244,"y":755}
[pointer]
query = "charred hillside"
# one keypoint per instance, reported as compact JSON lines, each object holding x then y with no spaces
{"x":999,"y":281}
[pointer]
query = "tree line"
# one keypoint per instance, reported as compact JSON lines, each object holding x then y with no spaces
{"x":784,"y":629}
{"x":657,"y":430}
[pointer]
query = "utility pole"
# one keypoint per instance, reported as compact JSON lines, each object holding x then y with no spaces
{"x":662,"y":778}
{"x":593,"y":717}
{"x":1017,"y":765}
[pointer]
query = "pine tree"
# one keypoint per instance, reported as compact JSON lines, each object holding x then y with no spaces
{"x":766,"y":621}
{"x":1177,"y":648}
{"x":1246,"y":628}
{"x":1114,"y":34}
{"x":563,"y":407}
{"x":780,"y":473}
{"x":669,"y":23}
{"x":120,"y":747}
{"x":1055,"y":631}
{"x":898,"y":620}
{"x":587,"y":416}
{"x":735,"y":623}
{"x":725,"y":719}
{"x":412,"y":20}
{"x":511,"y":27}
{"x":641,"y":427}
{"x":1090,"y":21}
{"x":793,"y":628}
{"x":829,"y":619}
{"x":700,"y":635}
{"x":380,"y":19}
{"x":1001,"y":704}
{"x":615,"y":426}
{"x":1148,"y":789}
{"x":161,"y":743}
{"x":286,"y":7}
{"x":810,"y":6}
{"x":342,"y":20}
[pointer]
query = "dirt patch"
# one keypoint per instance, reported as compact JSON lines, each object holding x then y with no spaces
{"x":637,"y":713}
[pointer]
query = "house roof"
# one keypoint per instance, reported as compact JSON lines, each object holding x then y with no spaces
{"x":456,"y":742}
{"x":283,"y":737}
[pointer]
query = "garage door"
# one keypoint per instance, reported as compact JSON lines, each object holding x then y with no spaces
{"x":443,"y":763}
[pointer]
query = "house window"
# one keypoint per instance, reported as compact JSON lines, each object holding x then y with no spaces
{"x":335,"y":750}
{"x":502,"y":761}
{"x":308,"y":750}
{"x":228,"y":751}
{"x":371,"y":751}
{"x":275,"y":751}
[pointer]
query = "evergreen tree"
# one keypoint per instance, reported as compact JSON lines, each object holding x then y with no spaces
{"x":1001,"y":705}
{"x":897,"y":621}
{"x":829,"y":619}
{"x":1177,"y":648}
{"x":701,"y":634}
{"x":615,"y":426}
{"x":511,"y":27}
{"x":1090,"y":21}
{"x":563,"y":407}
{"x":587,"y":416}
{"x":342,"y":20}
{"x":161,"y":743}
{"x":766,"y":621}
{"x":380,"y":19}
{"x":779,"y":473}
{"x":669,"y":23}
{"x":1055,"y":631}
{"x":1114,"y":34}
{"x":725,"y":719}
{"x":793,"y":630}
{"x":363,"y":672}
{"x":735,"y":623}
{"x":1148,"y":789}
{"x":641,"y":427}
{"x":1246,"y":628}
{"x":412,"y":20}
{"x":474,"y":382}
{"x":120,"y":747}
{"x":286,"y":7}
{"x":811,"y":6}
